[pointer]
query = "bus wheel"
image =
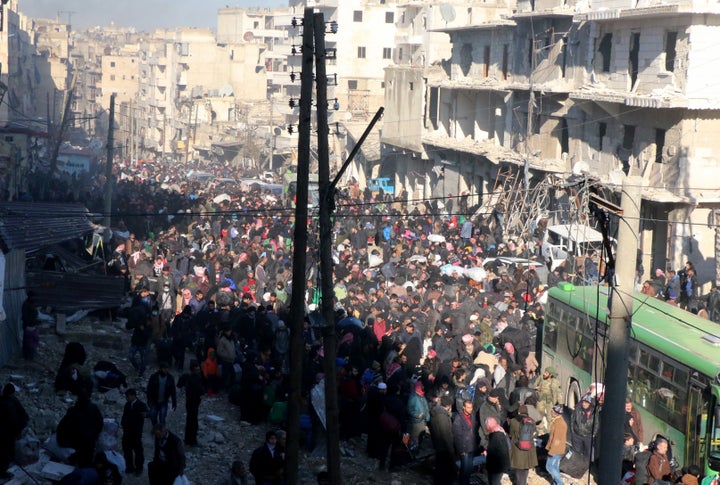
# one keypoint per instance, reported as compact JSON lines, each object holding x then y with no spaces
{"x":573,"y":394}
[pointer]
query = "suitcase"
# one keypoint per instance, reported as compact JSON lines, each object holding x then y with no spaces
{"x":574,"y":464}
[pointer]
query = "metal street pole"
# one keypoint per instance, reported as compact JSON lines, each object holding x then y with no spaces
{"x":326,"y":263}
{"x":297,"y":300}
{"x":612,"y":417}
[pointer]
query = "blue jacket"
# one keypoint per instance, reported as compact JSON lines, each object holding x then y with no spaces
{"x":418,"y":405}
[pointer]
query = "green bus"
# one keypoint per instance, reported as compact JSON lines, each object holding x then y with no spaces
{"x":674,"y":365}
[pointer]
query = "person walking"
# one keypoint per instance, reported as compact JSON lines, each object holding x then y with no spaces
{"x":194,"y":389}
{"x":169,"y":459}
{"x":464,"y":440}
{"x":133,"y":419}
{"x":498,"y":451}
{"x":160,"y":393}
{"x":267,"y":462}
{"x":556,"y":444}
{"x":523,"y":456}
{"x":139,"y":341}
{"x":441,"y":434}
{"x":418,"y":414}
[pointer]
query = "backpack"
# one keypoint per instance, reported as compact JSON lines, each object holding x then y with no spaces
{"x":527,"y":433}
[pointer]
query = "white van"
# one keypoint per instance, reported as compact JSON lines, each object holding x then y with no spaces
{"x":563,"y":239}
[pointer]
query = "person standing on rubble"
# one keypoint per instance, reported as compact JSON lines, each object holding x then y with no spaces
{"x":13,"y":420}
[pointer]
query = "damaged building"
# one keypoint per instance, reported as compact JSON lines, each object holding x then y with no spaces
{"x":550,"y":89}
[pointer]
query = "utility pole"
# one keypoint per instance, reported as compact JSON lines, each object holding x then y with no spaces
{"x":297,"y":300}
{"x":60,"y":132}
{"x":109,"y":182}
{"x":187,"y":143}
{"x":326,"y":262}
{"x":618,"y":343}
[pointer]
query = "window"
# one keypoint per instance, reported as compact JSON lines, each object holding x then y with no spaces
{"x":659,"y":145}
{"x":112,"y":63}
{"x":605,"y":50}
{"x":670,"y":50}
{"x":112,"y":77}
{"x":361,"y":52}
{"x":389,"y":17}
{"x":400,"y":54}
{"x":387,"y":53}
{"x":465,"y":58}
{"x":382,"y":84}
{"x":412,"y":86}
{"x":602,"y":131}
{"x":352,"y":84}
{"x":357,"y":16}
{"x":486,"y":61}
{"x":634,"y":58}
{"x":505,"y":61}
{"x":628,"y":137}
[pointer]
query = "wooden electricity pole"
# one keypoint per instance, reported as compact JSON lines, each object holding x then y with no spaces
{"x":297,"y":300}
{"x":612,"y":415}
{"x":109,"y":166}
{"x":326,"y":262}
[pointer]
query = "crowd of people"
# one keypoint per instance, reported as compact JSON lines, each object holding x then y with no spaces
{"x":426,"y":355}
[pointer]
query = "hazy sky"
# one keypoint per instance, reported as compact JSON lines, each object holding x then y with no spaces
{"x":142,"y":14}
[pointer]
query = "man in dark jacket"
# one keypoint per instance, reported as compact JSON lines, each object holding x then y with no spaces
{"x":464,"y":440}
{"x":194,"y":389}
{"x":13,"y":420}
{"x":441,"y":433}
{"x":160,"y":391}
{"x":583,"y":425}
{"x":268,"y":461}
{"x":169,"y":460}
{"x":132,"y":422}
{"x":80,"y":429}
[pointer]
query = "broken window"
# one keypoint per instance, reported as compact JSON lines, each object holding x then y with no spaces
{"x":659,"y":145}
{"x":433,"y":108}
{"x":465,"y":58}
{"x":486,"y":61}
{"x":357,"y":16}
{"x":531,"y":54}
{"x":634,"y":58}
{"x":564,"y":136}
{"x":605,"y":51}
{"x":602,"y":131}
{"x":505,"y":61}
{"x":670,"y":50}
{"x":628,"y":137}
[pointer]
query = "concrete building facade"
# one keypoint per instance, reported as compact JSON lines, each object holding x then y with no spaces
{"x":557,"y":88}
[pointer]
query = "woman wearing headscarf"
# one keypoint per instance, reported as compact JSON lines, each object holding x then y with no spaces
{"x":498,"y":451}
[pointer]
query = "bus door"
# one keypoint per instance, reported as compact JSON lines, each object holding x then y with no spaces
{"x":697,"y":414}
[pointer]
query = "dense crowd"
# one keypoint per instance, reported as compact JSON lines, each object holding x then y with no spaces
{"x":438,"y":338}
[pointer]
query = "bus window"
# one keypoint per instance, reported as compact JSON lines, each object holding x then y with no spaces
{"x":550,"y":334}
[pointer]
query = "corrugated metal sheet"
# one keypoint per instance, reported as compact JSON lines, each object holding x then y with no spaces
{"x":70,"y":292}
{"x":11,"y":328}
{"x":31,"y":225}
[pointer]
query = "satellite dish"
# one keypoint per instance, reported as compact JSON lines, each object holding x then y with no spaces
{"x":225,"y":91}
{"x":248,"y":36}
{"x":348,"y":116}
{"x":447,"y":12}
{"x":277,"y":131}
{"x":581,"y":167}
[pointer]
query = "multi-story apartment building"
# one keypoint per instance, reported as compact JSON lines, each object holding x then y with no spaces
{"x":187,"y":80}
{"x":120,"y":71}
{"x":551,"y":87}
